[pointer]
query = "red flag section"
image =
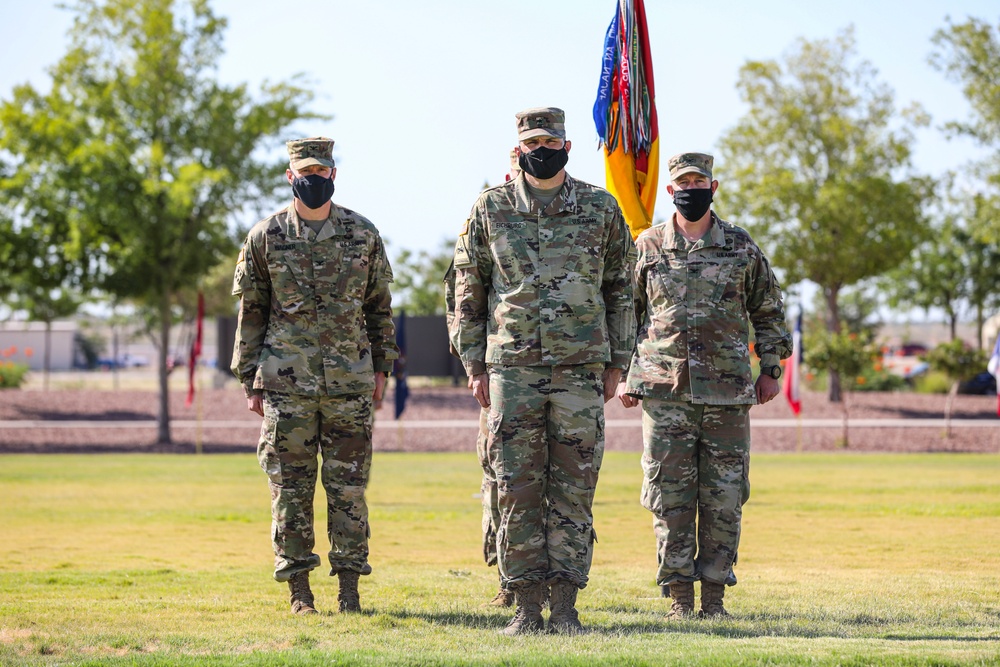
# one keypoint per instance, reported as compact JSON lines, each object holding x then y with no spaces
{"x":793,"y":369}
{"x":195,"y":349}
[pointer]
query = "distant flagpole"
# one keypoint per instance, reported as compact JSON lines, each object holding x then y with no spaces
{"x":994,"y":368}
{"x":193,"y":371}
{"x":195,"y":350}
{"x":793,"y":369}
{"x":625,"y":116}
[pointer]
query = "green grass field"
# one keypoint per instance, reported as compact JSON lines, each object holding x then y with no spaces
{"x":154,"y":560}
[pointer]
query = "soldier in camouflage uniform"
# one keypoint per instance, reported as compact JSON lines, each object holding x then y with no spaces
{"x":314,"y":344}
{"x":700,"y":283}
{"x":544,"y":327}
{"x":491,"y":512}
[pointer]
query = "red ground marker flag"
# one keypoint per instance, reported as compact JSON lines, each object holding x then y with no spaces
{"x":195,"y":349}
{"x":793,"y":369}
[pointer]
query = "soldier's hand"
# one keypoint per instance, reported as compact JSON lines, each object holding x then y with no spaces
{"x":611,"y":379}
{"x":379,"y":389}
{"x":627,"y":401}
{"x":481,"y":389}
{"x":766,"y":388}
{"x":256,"y":404}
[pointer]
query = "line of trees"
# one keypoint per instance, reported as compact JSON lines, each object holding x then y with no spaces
{"x":124,"y":179}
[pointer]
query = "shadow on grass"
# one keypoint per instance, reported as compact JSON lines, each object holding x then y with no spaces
{"x":472,"y":620}
{"x":107,"y":415}
{"x":749,"y":626}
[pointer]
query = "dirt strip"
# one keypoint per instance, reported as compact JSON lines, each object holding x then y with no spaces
{"x":449,"y":404}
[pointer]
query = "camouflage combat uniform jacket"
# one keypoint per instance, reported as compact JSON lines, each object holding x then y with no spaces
{"x":693,"y":302}
{"x":315,"y":314}
{"x":548,"y":287}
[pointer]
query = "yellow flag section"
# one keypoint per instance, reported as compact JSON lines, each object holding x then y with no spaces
{"x":633,"y":183}
{"x":625,"y":116}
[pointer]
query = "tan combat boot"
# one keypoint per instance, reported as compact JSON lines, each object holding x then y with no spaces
{"x":682,"y":593}
{"x":300,"y":595}
{"x":711,"y":599}
{"x":564,"y":619}
{"x":349,"y":598}
{"x":528,"y":617}
{"x":504,"y":598}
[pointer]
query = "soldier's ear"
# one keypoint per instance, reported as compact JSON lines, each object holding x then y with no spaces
{"x":715,"y":186}
{"x":333,"y":174}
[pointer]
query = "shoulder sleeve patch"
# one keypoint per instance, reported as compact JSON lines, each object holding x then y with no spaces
{"x":464,"y":258}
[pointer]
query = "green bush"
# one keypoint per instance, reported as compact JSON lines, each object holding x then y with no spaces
{"x":12,"y":375}
{"x":877,"y":379}
{"x":933,"y":382}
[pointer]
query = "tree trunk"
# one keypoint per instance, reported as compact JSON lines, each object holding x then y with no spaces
{"x":980,"y":323}
{"x":845,"y":440}
{"x":949,"y":404}
{"x":47,"y":356}
{"x":833,"y":326}
{"x":953,"y":326}
{"x":163,"y":419}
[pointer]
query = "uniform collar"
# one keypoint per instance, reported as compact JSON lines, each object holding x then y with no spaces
{"x":298,"y":229}
{"x":565,"y":200}
{"x":716,"y":236}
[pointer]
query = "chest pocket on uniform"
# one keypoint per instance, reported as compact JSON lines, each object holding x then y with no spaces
{"x":670,"y":276}
{"x":510,"y":258}
{"x":586,"y":251}
{"x":730,"y":293}
{"x":288,"y":271}
{"x":354,"y":276}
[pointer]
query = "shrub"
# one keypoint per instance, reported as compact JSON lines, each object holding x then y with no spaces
{"x":877,"y":379}
{"x":934,"y":382}
{"x":12,"y":375}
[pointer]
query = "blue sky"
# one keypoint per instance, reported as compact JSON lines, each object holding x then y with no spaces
{"x":423,"y":94}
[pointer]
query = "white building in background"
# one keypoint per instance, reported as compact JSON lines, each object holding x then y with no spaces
{"x":24,"y":342}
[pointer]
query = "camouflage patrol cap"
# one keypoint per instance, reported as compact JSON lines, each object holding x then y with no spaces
{"x":685,"y":163}
{"x":541,"y":122}
{"x":308,"y":152}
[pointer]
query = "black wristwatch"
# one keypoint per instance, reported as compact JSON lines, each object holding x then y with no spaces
{"x":773,"y":371}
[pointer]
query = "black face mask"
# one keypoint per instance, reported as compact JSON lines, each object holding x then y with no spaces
{"x":313,"y":190}
{"x":693,"y":204}
{"x":543,"y":162}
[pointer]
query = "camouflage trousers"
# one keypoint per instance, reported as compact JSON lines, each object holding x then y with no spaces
{"x":696,"y":478}
{"x":545,"y":445}
{"x":491,"y":513}
{"x":297,"y":430}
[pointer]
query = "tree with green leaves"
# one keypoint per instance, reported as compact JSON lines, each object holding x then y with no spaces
{"x":969,"y":54}
{"x":138,"y":157}
{"x":953,"y":269}
{"x":419,"y":281}
{"x":819,"y":170}
{"x":846,"y":353}
{"x":44,"y":304}
{"x":958,"y":362}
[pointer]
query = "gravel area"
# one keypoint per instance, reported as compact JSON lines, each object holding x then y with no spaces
{"x":239,"y":433}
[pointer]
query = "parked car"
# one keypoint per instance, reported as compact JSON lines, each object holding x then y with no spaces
{"x":982,"y":384}
{"x":911,"y":350}
{"x":123,"y":361}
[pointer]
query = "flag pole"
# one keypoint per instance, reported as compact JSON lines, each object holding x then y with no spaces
{"x":199,"y":413}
